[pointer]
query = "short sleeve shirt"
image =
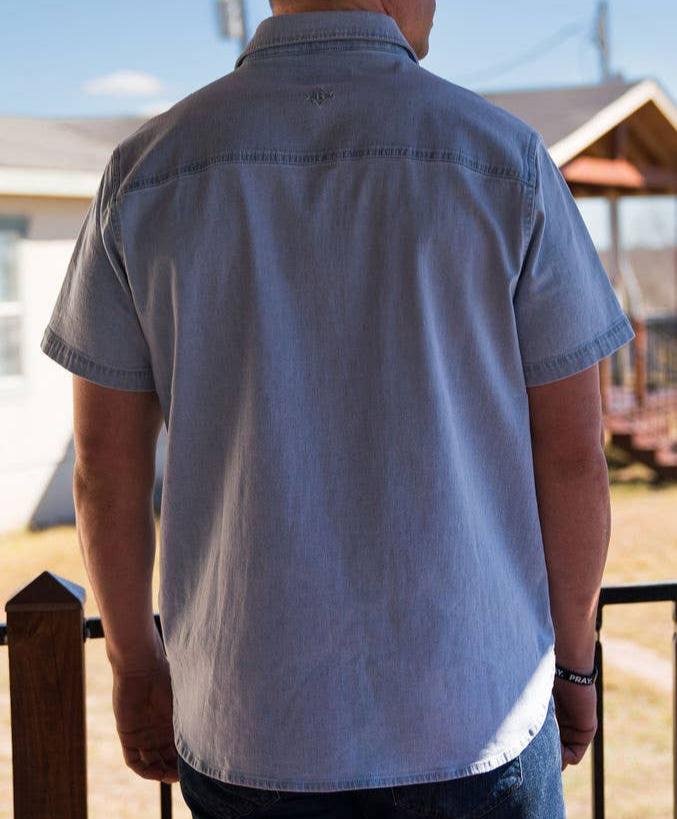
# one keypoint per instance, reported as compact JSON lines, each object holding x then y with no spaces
{"x":340,"y":273}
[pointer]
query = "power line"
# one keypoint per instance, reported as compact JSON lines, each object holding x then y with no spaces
{"x":537,"y":51}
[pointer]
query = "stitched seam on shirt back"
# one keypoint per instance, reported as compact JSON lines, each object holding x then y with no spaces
{"x":531,"y":200}
{"x":327,"y":34}
{"x":278,"y":157}
{"x":114,"y":197}
{"x":279,"y":51}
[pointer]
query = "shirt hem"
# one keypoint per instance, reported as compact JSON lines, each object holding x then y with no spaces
{"x":236,"y":777}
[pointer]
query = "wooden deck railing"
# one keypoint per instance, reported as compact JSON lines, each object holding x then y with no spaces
{"x":639,"y":395}
{"x":46,"y":632}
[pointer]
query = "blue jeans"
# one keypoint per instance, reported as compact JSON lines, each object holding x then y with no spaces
{"x":527,"y":787}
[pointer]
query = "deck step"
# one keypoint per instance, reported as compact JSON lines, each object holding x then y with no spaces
{"x":648,"y":442}
{"x":658,"y":452}
{"x":634,"y":428}
{"x":666,"y":456}
{"x":646,"y":432}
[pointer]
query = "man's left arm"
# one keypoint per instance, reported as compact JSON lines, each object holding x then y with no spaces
{"x":115,"y":437}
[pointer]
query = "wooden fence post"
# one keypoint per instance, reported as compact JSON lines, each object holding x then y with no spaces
{"x":45,"y":637}
{"x":640,"y":344}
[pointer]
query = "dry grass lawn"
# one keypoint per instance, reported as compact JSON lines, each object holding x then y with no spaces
{"x":637,"y":715}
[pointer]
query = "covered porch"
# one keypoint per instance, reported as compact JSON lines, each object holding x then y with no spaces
{"x":614,"y":140}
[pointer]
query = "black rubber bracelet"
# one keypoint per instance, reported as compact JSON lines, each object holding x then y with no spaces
{"x":575,"y":676}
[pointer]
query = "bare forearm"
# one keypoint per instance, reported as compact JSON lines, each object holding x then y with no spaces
{"x":574,"y":509}
{"x":116,"y":531}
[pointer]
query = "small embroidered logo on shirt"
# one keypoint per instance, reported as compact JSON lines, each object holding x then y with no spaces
{"x":319,"y":96}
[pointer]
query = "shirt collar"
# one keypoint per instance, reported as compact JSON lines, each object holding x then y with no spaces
{"x":322,"y":26}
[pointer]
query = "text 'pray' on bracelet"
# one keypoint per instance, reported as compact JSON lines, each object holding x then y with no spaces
{"x":575,"y":676}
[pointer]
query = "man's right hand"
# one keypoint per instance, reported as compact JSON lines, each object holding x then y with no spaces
{"x":576,"y":712}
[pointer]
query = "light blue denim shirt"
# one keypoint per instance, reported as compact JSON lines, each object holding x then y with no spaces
{"x":340,"y":272}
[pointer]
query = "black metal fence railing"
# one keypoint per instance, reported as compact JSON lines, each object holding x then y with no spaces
{"x":45,"y":612}
{"x":661,"y":354}
{"x":623,"y":594}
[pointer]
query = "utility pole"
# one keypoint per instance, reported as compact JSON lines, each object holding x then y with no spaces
{"x":601,"y":39}
{"x":232,"y":20}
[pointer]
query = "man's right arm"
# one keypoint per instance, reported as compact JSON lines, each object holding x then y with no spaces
{"x":572,"y":485}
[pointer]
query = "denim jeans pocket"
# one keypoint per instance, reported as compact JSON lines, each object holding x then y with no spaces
{"x":204,"y":794}
{"x":467,"y":797}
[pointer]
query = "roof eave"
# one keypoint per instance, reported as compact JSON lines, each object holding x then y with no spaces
{"x":610,"y":116}
{"x":48,"y":182}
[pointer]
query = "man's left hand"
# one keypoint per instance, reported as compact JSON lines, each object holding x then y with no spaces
{"x":142,"y":704}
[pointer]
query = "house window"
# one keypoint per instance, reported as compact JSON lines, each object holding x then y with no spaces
{"x":11,"y":309}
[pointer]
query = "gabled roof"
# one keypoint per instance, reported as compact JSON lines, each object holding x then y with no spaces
{"x":63,"y":157}
{"x":61,"y":143}
{"x":558,"y":111}
{"x":571,"y":118}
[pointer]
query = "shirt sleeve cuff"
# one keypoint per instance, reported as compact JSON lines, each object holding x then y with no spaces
{"x":78,"y":363}
{"x":583,"y":356}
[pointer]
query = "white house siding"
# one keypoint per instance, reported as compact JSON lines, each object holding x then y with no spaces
{"x":36,"y":447}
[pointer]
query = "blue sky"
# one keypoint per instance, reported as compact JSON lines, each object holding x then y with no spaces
{"x":52,"y":50}
{"x":84,"y":58}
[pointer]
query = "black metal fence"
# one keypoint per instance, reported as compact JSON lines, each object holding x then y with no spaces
{"x":616,"y":595}
{"x":46,"y":632}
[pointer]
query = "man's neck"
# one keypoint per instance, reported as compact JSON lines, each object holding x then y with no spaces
{"x":292,"y":6}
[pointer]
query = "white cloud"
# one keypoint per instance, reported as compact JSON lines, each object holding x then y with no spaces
{"x":124,"y":83}
{"x":155,"y":107}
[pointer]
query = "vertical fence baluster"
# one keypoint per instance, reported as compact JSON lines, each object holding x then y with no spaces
{"x":165,"y":801}
{"x":598,"y":741}
{"x":640,"y":344}
{"x":674,"y":710}
{"x":47,"y":699}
